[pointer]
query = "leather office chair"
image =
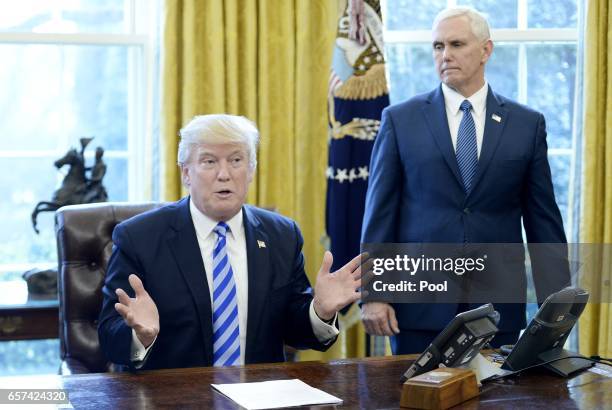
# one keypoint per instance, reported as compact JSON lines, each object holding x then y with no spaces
{"x":84,"y":245}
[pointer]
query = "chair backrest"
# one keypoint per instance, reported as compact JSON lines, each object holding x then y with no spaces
{"x":84,"y":245}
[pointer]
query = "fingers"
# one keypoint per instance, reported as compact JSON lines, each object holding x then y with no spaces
{"x":367,"y":278}
{"x":383,"y":323}
{"x":365,"y":268}
{"x":137,"y":285}
{"x":370,"y":322}
{"x":127,"y":315}
{"x":122,"y":310}
{"x":123,"y":297}
{"x":379,"y":319}
{"x":326,"y":264}
{"x":353,"y":264}
{"x":376,"y":328}
{"x":393,"y":320}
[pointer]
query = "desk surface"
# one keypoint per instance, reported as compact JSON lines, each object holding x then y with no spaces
{"x":361,"y":383}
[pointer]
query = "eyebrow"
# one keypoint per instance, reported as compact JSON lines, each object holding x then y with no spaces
{"x":207,"y":153}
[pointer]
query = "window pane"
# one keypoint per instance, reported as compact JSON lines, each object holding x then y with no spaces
{"x":115,"y":179}
{"x":37,"y":179}
{"x":499,"y":13}
{"x":560,"y":167}
{"x":29,"y":357}
{"x":552,"y":14}
{"x":82,"y":91}
{"x":411,"y":70}
{"x":550,"y":88}
{"x":24,"y":182}
{"x":410,"y":14}
{"x":64,"y":16}
{"x":502,"y":70}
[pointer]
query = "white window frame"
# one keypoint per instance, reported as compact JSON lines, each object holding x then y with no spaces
{"x":140,"y":19}
{"x":523,"y":35}
{"x":141,"y":24}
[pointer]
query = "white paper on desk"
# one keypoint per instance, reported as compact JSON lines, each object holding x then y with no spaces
{"x":274,"y":394}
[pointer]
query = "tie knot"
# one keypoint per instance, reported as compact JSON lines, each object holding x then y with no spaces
{"x":221,"y":229}
{"x":465,"y":106}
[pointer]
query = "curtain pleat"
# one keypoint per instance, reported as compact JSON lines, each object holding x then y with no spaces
{"x":595,"y":326}
{"x":269,"y":61}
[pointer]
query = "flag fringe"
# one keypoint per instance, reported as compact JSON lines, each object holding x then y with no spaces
{"x":371,"y":85}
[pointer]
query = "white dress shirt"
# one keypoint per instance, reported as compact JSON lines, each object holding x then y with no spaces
{"x":237,"y":254}
{"x":453,"y":100}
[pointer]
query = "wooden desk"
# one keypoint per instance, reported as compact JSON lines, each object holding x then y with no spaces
{"x":371,"y":383}
{"x":23,"y":317}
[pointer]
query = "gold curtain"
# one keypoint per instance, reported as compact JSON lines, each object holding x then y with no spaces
{"x":269,"y":61}
{"x":596,"y":228}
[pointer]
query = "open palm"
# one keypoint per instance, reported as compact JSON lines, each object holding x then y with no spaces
{"x":335,"y":290}
{"x":139,"y":312}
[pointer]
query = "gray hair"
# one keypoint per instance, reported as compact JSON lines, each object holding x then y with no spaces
{"x":218,"y":129}
{"x":478,"y":22}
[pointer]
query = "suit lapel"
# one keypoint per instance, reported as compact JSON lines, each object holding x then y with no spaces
{"x":183,"y":243}
{"x":495,"y":121}
{"x":435,"y":114}
{"x":259,"y":273}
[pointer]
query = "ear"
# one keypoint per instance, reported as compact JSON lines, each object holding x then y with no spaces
{"x":250,"y":174}
{"x":185,"y":175}
{"x":487,"y":50}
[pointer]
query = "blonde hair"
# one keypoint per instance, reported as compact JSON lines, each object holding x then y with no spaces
{"x":218,"y":129}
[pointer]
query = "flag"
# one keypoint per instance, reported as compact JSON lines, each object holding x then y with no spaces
{"x":358,"y":93}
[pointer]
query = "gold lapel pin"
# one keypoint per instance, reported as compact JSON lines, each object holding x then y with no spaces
{"x":261,"y":244}
{"x":496,"y":117}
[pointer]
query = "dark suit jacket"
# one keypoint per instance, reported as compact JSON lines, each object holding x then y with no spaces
{"x":415,"y":192}
{"x":161,"y":247}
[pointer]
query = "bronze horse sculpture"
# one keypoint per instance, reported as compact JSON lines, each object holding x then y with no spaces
{"x":76,"y":188}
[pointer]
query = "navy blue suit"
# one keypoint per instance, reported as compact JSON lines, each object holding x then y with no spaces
{"x":161,"y":247}
{"x":416,"y":195}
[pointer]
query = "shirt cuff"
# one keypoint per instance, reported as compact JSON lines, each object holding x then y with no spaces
{"x":323,"y":331}
{"x":138,"y":352}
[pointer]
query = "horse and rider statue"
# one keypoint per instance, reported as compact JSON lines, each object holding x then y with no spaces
{"x":77,"y":187}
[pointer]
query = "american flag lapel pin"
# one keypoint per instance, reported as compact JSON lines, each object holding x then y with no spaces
{"x":496,"y":118}
{"x":261,"y":244}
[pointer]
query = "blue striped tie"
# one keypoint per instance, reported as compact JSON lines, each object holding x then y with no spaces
{"x":467,"y":148}
{"x":226,"y":334}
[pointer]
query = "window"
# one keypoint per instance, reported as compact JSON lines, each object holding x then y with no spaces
{"x":70,"y":69}
{"x":533,"y":62}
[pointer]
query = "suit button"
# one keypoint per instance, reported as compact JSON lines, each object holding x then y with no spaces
{"x":466,"y":211}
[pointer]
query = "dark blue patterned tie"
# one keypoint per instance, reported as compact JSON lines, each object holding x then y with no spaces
{"x":226,"y":334}
{"x":467,"y":148}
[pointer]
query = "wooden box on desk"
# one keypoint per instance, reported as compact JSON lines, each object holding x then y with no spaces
{"x":439,"y":389}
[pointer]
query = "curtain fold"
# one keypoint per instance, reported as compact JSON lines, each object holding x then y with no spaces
{"x":269,"y":61}
{"x":595,"y":327}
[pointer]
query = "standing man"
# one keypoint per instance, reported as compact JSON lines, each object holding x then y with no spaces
{"x":460,"y":164}
{"x":210,"y":281}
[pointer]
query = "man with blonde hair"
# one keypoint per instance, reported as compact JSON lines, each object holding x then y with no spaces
{"x":460,"y":164}
{"x":209,"y":280}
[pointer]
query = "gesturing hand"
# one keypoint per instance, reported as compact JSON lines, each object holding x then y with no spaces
{"x":140,"y":312}
{"x":333,"y":291}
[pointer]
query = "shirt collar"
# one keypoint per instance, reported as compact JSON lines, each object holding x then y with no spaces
{"x":204,"y":224}
{"x":453,"y":99}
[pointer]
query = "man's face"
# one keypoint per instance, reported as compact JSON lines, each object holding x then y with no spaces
{"x":218,"y":178}
{"x":459,"y":56}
